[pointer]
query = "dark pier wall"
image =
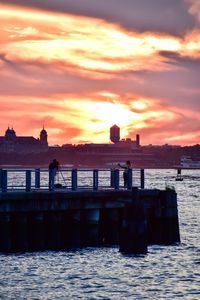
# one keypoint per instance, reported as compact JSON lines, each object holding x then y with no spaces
{"x":64,"y":220}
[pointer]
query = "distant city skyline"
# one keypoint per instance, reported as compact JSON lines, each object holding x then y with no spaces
{"x":114,"y":137}
{"x":79,"y":67}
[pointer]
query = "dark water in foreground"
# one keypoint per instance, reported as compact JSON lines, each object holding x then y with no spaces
{"x":166,"y":272}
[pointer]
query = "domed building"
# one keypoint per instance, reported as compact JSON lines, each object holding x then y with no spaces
{"x":10,"y":134}
{"x":10,"y":142}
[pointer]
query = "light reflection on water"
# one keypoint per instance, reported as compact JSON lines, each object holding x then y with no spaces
{"x":167,"y":272}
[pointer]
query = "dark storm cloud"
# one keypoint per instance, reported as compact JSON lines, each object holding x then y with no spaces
{"x":170,"y":16}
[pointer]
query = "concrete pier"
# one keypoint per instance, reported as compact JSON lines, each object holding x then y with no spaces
{"x":59,"y":220}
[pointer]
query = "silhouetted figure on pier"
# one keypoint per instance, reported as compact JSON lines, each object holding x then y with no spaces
{"x":126,"y":167}
{"x":53,"y":168}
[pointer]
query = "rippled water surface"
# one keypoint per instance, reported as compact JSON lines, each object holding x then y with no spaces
{"x":166,"y":272}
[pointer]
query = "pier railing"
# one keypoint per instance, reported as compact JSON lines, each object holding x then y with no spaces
{"x":70,"y":179}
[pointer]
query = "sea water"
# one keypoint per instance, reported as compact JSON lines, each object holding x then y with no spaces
{"x":166,"y":272}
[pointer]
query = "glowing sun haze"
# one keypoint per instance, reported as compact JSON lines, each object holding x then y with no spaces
{"x":78,"y":69}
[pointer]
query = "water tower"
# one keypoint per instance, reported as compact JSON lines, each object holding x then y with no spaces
{"x":114,"y":134}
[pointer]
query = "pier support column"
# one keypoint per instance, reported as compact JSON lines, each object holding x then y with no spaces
{"x":19,"y":232}
{"x":170,"y":224}
{"x":133,"y":233}
{"x":5,"y":232}
{"x":163,"y":224}
{"x":71,"y":229}
{"x":110,"y":221}
{"x":90,"y":227}
{"x":52,"y":221}
{"x":36,"y":231}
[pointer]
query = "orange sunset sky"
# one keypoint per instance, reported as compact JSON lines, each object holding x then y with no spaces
{"x":78,"y":67}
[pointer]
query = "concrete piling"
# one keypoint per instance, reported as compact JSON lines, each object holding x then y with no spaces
{"x":90,"y":229}
{"x":133,"y":234}
{"x":19,"y":232}
{"x":170,"y":224}
{"x":110,"y":220}
{"x":5,"y":232}
{"x":162,"y":223}
{"x":52,"y":230}
{"x":74,"y":229}
{"x":36,"y":231}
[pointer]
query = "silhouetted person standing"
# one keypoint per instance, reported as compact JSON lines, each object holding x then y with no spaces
{"x":53,"y":168}
{"x":126,"y":168}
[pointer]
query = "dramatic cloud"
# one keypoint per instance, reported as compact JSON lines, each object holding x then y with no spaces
{"x":79,"y":69}
{"x":169,"y":16}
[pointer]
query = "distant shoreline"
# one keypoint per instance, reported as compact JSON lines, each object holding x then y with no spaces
{"x":24,"y":167}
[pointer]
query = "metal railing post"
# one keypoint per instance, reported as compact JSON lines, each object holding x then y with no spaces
{"x":112,"y":178}
{"x":4,"y":180}
{"x":52,"y":174}
{"x":95,"y":179}
{"x":74,"y":179}
{"x":28,"y":180}
{"x":116,"y":179}
{"x":142,"y":178}
{"x":37,"y":178}
{"x":130,"y":179}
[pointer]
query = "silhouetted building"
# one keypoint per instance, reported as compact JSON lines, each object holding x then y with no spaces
{"x":10,"y":142}
{"x":114,"y":134}
{"x":43,"y":137}
{"x":137,"y":140}
{"x":123,"y":143}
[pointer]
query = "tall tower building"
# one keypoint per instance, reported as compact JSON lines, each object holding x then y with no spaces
{"x":114,"y":134}
{"x":43,"y":137}
{"x":137,"y":140}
